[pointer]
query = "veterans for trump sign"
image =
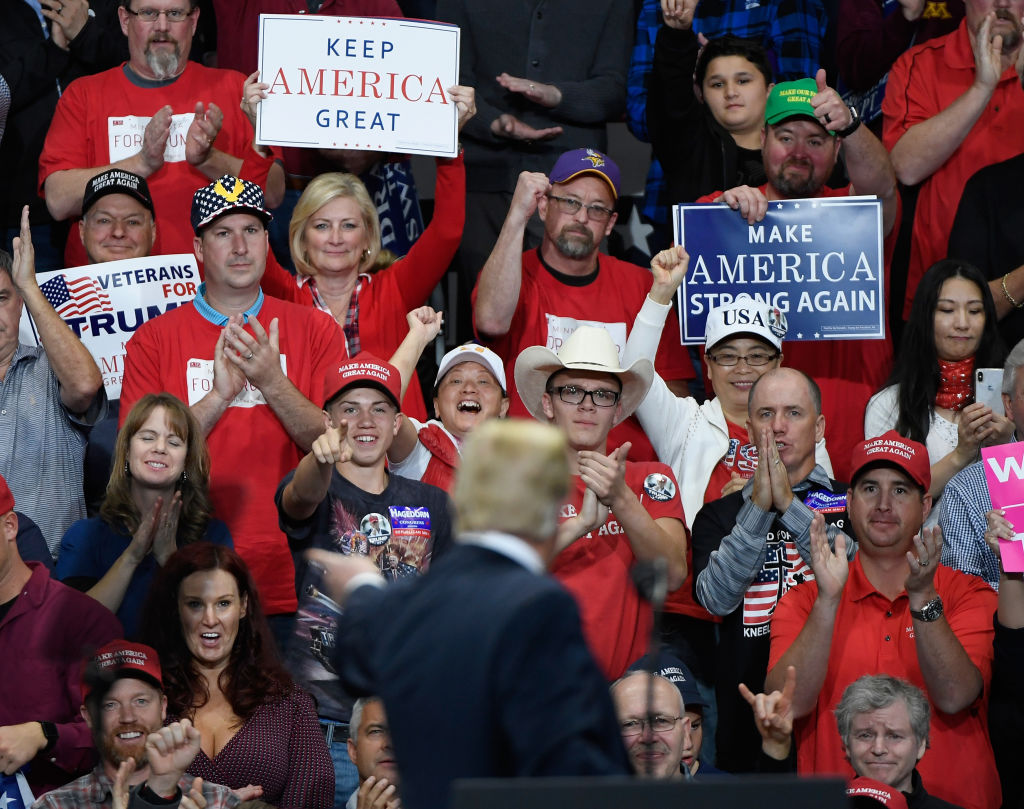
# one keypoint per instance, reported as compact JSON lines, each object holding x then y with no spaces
{"x":818,"y":261}
{"x":358,"y":83}
{"x":103,"y":304}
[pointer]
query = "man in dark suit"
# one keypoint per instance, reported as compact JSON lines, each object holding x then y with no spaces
{"x":481,"y":663}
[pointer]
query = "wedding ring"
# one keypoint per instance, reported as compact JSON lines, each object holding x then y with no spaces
{"x":251,"y":355}
{"x":923,"y":562}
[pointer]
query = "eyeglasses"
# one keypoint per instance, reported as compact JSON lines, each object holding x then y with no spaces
{"x":727,"y":359}
{"x":152,"y":14}
{"x":574,"y":395}
{"x":658,"y":724}
{"x":572,"y":207}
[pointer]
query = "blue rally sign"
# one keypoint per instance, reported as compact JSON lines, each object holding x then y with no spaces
{"x":819,"y":261}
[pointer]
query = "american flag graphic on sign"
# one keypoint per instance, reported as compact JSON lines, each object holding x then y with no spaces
{"x":75,"y":297}
{"x":783,"y":568}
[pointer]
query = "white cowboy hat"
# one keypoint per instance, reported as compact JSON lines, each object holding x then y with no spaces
{"x":589,"y":348}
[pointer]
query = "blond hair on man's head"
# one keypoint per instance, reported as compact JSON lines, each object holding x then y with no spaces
{"x":514,"y":477}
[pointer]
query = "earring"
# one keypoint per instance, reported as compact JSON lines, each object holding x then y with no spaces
{"x":366,"y":254}
{"x":184,"y":476}
{"x":127,"y":471}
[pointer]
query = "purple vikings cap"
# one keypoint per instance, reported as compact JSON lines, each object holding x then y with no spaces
{"x":586,"y":161}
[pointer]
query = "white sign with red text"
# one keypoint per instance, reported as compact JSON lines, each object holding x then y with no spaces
{"x":358,"y":83}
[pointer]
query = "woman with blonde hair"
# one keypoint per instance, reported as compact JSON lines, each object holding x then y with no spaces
{"x":157,"y":500}
{"x":335,"y":240}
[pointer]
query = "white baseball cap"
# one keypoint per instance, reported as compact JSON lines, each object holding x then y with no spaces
{"x":471,"y":352}
{"x":745,"y":316}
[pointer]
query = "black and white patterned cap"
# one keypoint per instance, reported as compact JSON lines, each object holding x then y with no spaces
{"x":227,"y":195}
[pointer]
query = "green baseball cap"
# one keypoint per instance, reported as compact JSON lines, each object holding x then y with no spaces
{"x":790,"y":98}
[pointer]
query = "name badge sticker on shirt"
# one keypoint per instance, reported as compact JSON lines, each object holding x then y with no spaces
{"x":125,"y":134}
{"x":199,"y":382}
{"x":559,"y":329}
{"x":826,"y":502}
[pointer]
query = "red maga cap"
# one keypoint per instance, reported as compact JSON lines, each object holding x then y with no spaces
{"x":896,"y":450}
{"x":364,"y":371}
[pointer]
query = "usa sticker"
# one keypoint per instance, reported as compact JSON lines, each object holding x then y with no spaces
{"x":659,"y":487}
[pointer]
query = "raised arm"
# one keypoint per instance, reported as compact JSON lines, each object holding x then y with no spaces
{"x":424,"y":326}
{"x":925,"y":146}
{"x":665,"y":417}
{"x":497,"y":294}
{"x":867,"y":162}
{"x":76,"y":370}
{"x":308,"y":486}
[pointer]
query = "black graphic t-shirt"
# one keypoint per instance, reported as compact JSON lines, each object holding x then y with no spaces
{"x":400,"y":530}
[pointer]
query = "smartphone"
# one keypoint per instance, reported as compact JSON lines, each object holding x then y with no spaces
{"x":988,"y":388}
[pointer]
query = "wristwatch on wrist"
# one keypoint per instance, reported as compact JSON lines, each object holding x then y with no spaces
{"x":931,"y":611}
{"x":50,"y":732}
{"x":854,"y":123}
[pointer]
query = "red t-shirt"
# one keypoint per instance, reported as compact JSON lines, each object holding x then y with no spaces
{"x":741,"y":458}
{"x":250,"y":451}
{"x":595,"y":569}
{"x":549,"y":310}
{"x":874,"y":635}
{"x":97,"y":122}
{"x":923,"y":82}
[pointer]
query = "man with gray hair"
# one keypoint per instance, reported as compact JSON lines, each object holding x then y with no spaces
{"x":883,"y":724}
{"x":50,"y":395}
{"x":966,"y":500}
{"x":371,"y":751}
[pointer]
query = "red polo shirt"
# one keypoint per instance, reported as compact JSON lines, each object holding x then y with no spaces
{"x":874,"y":635}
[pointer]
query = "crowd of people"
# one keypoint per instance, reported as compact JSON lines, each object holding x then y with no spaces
{"x":301,"y":560}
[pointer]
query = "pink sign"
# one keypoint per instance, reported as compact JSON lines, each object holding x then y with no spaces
{"x":1004,"y":473}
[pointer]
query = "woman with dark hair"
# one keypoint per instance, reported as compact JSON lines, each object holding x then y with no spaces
{"x":157,"y":500}
{"x":929,"y":396}
{"x":221,"y":672}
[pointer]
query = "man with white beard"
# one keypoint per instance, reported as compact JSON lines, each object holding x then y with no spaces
{"x":173,"y":122}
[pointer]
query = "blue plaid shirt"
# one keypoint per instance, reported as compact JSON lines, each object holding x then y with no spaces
{"x":962,"y":509}
{"x":640,"y":67}
{"x":790,"y":30}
